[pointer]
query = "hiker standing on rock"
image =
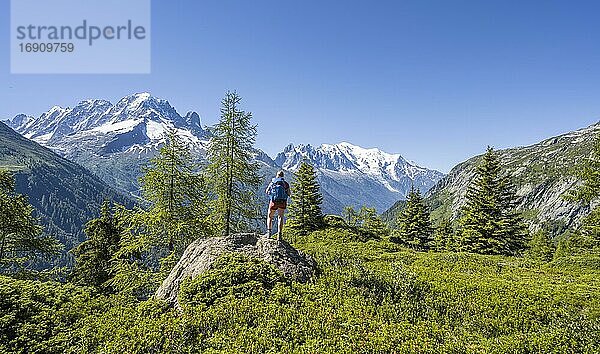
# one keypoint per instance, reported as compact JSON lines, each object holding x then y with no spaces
{"x":278,"y":191}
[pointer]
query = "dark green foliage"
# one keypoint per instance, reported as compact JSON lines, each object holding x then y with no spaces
{"x":490,"y":223}
{"x":21,"y":237}
{"x":63,"y":194}
{"x":232,"y":170}
{"x":233,"y":274}
{"x":414,"y":223}
{"x":305,"y":213}
{"x":38,"y":317}
{"x":541,"y":246}
{"x":443,"y":236}
{"x":153,"y":239}
{"x":92,"y":257}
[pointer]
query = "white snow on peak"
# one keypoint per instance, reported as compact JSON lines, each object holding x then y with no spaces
{"x":155,"y":130}
{"x":348,"y":159}
{"x":139,"y":98}
{"x":119,"y":127}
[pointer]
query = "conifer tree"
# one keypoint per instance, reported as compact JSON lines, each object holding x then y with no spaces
{"x":414,"y":223}
{"x":177,"y":194}
{"x":153,"y":238}
{"x":232,"y":169}
{"x":21,"y":236}
{"x":305,"y":210}
{"x":490,"y":223}
{"x":444,"y":235}
{"x":92,"y":257}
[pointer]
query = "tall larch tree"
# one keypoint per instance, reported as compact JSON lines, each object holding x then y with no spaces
{"x":233,"y":171}
{"x":176,"y":212}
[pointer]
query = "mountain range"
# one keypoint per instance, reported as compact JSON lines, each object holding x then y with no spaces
{"x":64,"y":195}
{"x":115,"y":141}
{"x":541,"y":172}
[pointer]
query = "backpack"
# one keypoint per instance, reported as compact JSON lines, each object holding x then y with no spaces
{"x":278,"y":192}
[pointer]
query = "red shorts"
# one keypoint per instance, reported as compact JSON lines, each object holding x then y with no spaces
{"x":277,"y":205}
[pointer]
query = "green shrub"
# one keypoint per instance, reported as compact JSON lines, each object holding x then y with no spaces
{"x":232,"y":274}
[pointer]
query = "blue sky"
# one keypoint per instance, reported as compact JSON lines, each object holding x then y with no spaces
{"x":436,"y":81}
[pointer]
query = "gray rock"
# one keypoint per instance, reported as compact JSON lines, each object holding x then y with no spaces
{"x":202,"y":253}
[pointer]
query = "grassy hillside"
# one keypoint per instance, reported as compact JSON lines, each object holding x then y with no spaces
{"x":372,"y":297}
{"x":65,"y":195}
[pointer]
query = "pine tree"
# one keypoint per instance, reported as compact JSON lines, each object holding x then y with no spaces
{"x":92,"y":257}
{"x":153,"y":239}
{"x":21,"y":237}
{"x":232,"y":169}
{"x":443,"y":235}
{"x":305,"y":210}
{"x":490,"y":223}
{"x":414,"y":223}
{"x":177,"y":194}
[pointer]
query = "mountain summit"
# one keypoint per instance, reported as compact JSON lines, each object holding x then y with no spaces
{"x":356,"y":176}
{"x":115,"y":140}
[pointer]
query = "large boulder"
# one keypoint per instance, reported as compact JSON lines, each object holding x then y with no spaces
{"x":202,"y":253}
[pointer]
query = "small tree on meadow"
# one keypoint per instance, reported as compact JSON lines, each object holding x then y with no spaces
{"x":414,"y":222}
{"x":305,"y":213}
{"x":490,"y":223}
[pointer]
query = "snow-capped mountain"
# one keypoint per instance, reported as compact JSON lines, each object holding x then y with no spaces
{"x":352,"y":175}
{"x":137,"y":122}
{"x":115,"y":140}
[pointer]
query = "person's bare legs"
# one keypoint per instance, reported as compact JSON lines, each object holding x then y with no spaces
{"x":280,"y":224}
{"x":270,"y":216}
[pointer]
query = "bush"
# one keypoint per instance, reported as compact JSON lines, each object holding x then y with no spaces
{"x":232,"y":274}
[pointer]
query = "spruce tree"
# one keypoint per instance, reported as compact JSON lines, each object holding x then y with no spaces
{"x":21,"y":236}
{"x":305,"y":210}
{"x":444,"y":235}
{"x":234,"y":174}
{"x":490,"y":223}
{"x":92,"y":257}
{"x":414,"y":223}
